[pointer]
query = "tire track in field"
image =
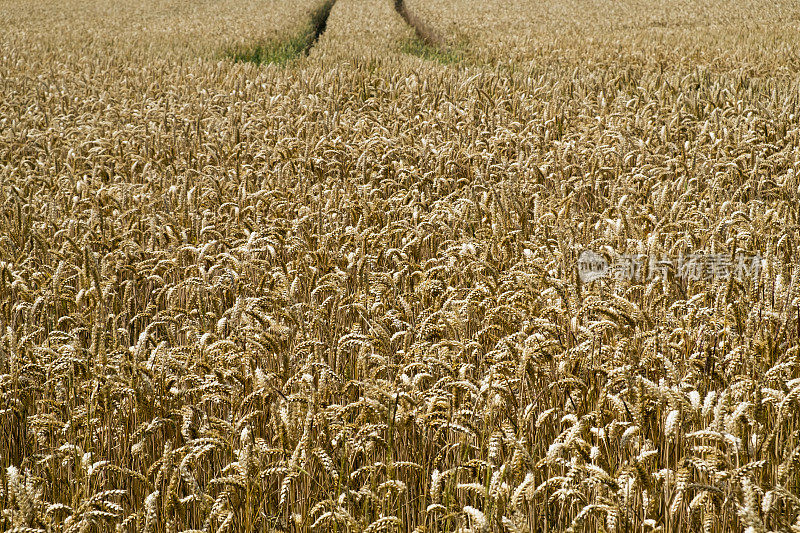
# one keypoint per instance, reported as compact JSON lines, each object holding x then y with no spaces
{"x":288,"y":47}
{"x":424,"y":32}
{"x":319,"y":23}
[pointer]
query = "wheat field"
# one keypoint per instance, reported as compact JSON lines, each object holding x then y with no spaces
{"x":315,"y":266}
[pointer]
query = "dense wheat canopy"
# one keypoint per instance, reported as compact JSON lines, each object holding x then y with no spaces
{"x":314,"y":266}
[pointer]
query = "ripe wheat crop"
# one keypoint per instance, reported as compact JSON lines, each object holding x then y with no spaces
{"x":336,"y":288}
